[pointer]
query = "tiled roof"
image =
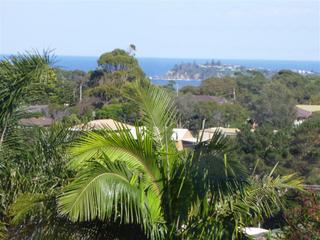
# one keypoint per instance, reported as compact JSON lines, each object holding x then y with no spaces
{"x":41,"y":121}
{"x":101,"y":124}
{"x":309,"y":108}
{"x":208,"y":133}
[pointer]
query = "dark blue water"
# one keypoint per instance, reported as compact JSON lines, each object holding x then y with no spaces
{"x":76,"y":63}
{"x":159,"y":66}
{"x":179,"y":84}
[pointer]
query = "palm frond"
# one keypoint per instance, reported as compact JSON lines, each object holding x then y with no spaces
{"x":158,"y":110}
{"x":25,"y":204}
{"x":213,"y":171}
{"x":3,"y":230}
{"x":137,"y":152}
{"x":107,"y":191}
{"x":16,"y":73}
{"x":266,"y":193}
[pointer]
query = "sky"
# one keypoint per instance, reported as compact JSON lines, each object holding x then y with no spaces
{"x":220,"y":29}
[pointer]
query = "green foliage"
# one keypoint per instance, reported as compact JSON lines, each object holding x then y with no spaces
{"x":123,"y":112}
{"x":67,"y":89}
{"x":33,"y":161}
{"x":117,"y":60}
{"x":174,"y":195}
{"x":193,"y":111}
{"x":296,"y":149}
{"x":276,"y":106}
{"x":302,"y":87}
{"x":107,"y":85}
{"x":269,"y":101}
{"x":125,"y":185}
{"x":263,"y":147}
{"x":305,"y":150}
{"x":303,"y":219}
{"x":120,"y":65}
{"x":16,"y":75}
{"x":218,"y":87}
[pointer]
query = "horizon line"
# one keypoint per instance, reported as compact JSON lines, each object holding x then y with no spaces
{"x":180,"y":58}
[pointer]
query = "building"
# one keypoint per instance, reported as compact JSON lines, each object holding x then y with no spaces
{"x":33,"y":121}
{"x":183,"y":138}
{"x":100,"y":124}
{"x":44,"y":109}
{"x":303,"y":112}
{"x":207,"y":134}
{"x":107,"y":124}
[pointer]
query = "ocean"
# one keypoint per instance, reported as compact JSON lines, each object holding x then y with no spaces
{"x":159,"y":66}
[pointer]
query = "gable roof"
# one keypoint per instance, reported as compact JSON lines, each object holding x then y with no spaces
{"x":100,"y":124}
{"x":208,"y":133}
{"x":309,"y":108}
{"x":179,"y":133}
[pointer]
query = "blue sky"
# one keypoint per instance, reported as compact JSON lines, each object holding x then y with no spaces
{"x":224,"y":29}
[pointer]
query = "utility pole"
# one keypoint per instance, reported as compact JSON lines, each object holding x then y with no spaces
{"x":80,"y":92}
{"x":177,"y":88}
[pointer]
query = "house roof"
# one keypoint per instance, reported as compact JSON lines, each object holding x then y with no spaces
{"x":41,"y":121}
{"x":301,"y":113}
{"x":208,"y":133}
{"x":35,"y":108}
{"x":182,"y":134}
{"x":101,"y":124}
{"x":179,"y":133}
{"x":190,"y":140}
{"x":309,"y":108}
{"x":253,"y":231}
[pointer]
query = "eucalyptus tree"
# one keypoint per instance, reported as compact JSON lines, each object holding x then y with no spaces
{"x":142,"y":179}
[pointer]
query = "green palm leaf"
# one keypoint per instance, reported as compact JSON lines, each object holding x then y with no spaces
{"x":109,"y":191}
{"x":138,"y":153}
{"x":157,"y":109}
{"x":16,"y":74}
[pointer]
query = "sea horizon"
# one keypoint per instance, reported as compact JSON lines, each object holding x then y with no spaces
{"x":154,"y":66}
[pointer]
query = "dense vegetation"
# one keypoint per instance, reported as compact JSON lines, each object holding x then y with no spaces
{"x":61,"y":184}
{"x":271,"y":104}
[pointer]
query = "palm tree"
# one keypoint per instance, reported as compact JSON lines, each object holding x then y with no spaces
{"x":16,"y":74}
{"x":32,"y":171}
{"x":144,"y":180}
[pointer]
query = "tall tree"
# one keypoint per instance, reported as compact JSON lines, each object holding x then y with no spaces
{"x":276,"y":106}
